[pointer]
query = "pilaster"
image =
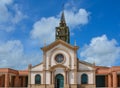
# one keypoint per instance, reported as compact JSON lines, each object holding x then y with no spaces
{"x":2,"y":80}
{"x":65,"y":76}
{"x":44,"y":68}
{"x":109,"y":80}
{"x":75,"y":77}
{"x":29,"y":76}
{"x":114,"y":79}
{"x":24,"y":81}
{"x":53,"y":76}
{"x":75,"y":65}
{"x":50,"y":77}
{"x":7,"y":79}
{"x":106,"y":80}
{"x":17,"y":81}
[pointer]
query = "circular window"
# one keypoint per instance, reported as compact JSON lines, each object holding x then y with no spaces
{"x":59,"y":58}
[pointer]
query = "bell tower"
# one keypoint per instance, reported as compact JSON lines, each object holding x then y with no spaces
{"x":62,"y":32}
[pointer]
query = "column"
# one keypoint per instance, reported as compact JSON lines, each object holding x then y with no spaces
{"x":2,"y":80}
{"x":68,"y":77}
{"x":53,"y":77}
{"x":44,"y":68}
{"x":17,"y":84}
{"x":114,"y":79}
{"x":106,"y":80}
{"x":43,"y":76}
{"x":24,"y":81}
{"x":75,"y":77}
{"x":29,"y":75}
{"x":11,"y":81}
{"x":7,"y":79}
{"x":109,"y":80}
{"x":65,"y":77}
{"x":50,"y":77}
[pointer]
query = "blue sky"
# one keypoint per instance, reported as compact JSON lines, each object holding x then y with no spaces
{"x":25,"y":25}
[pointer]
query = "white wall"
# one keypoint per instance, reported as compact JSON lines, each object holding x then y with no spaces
{"x":33,"y":77}
{"x":68,"y":53}
{"x":71,"y":77}
{"x":84,"y":67}
{"x":90,"y":77}
{"x":48,"y":75}
{"x":59,"y":71}
{"x":37,"y":68}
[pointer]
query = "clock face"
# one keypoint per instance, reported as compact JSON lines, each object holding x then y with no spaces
{"x":59,"y":58}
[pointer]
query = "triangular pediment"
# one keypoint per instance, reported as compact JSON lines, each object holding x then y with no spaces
{"x":38,"y":67}
{"x":50,"y":46}
{"x":83,"y":65}
{"x":86,"y":63}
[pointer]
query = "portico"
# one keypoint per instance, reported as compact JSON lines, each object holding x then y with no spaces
{"x":12,"y":78}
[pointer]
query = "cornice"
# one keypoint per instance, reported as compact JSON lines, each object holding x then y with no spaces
{"x":86,"y":63}
{"x":59,"y":42}
{"x":37,"y":65}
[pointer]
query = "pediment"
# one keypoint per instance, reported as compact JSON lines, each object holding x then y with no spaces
{"x":38,"y":67}
{"x":57,"y":42}
{"x":83,"y":65}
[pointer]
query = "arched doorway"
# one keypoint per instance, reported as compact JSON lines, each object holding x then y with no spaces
{"x":59,"y":81}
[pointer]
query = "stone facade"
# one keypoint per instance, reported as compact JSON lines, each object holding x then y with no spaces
{"x":61,"y":68}
{"x":15,"y":78}
{"x":71,"y":68}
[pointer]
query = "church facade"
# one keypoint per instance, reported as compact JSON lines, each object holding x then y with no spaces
{"x":61,"y":68}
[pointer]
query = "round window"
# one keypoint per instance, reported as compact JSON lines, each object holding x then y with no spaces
{"x":59,"y":58}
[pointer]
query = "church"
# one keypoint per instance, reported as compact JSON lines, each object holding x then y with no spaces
{"x":61,"y":68}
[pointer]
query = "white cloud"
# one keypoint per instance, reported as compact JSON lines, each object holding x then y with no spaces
{"x":44,"y":29}
{"x":6,"y":1}
{"x":10,"y":15}
{"x":12,"y":55}
{"x":76,"y":19}
{"x":101,"y":50}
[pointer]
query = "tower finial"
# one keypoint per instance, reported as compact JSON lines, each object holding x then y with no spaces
{"x":62,"y":21}
{"x":62,"y":18}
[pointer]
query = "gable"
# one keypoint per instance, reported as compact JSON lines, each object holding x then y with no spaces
{"x":38,"y":67}
{"x":60,"y":47}
{"x":85,"y":66}
{"x":57,"y":42}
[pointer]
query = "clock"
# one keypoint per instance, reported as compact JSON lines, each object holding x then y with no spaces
{"x":59,"y":58}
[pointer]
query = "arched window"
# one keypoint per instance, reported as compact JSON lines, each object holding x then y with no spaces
{"x":37,"y":79}
{"x":84,"y":79}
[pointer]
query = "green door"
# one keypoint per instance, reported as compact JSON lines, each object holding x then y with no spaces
{"x":59,"y":81}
